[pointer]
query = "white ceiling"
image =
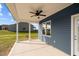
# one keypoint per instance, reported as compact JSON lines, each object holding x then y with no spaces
{"x":21,"y":11}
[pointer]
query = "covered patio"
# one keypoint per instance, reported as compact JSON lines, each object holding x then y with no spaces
{"x":31,"y":47}
{"x":35,"y":48}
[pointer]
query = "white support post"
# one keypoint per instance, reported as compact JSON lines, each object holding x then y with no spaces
{"x":45,"y":30}
{"x":38,"y":31}
{"x":29,"y":31}
{"x":17,"y":32}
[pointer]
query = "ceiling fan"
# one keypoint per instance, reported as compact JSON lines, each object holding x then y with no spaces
{"x":38,"y":13}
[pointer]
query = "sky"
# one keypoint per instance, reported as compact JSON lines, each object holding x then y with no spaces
{"x":5,"y":16}
{"x":35,"y":25}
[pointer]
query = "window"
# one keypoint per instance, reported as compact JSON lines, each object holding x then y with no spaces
{"x":46,"y":28}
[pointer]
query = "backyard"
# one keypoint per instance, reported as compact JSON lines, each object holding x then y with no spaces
{"x":8,"y":38}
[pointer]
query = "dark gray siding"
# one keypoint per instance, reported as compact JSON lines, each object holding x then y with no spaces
{"x":23,"y":26}
{"x":0,"y":27}
{"x":61,"y":28}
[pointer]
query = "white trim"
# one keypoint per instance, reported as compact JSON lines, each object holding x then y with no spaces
{"x":47,"y":35}
{"x":15,"y":9}
{"x":45,"y":29}
{"x":72,"y":34}
{"x":29,"y":31}
{"x":38,"y":31}
{"x":17,"y":32}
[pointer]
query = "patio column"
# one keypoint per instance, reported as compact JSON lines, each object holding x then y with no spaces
{"x":39,"y":31}
{"x":17,"y":32}
{"x":29,"y":31}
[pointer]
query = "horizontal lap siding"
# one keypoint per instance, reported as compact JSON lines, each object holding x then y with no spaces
{"x":61,"y":28}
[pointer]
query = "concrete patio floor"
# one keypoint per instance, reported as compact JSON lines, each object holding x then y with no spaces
{"x":35,"y":48}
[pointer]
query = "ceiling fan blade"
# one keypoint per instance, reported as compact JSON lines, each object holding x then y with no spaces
{"x":32,"y":12}
{"x":42,"y":15}
{"x":40,"y":11}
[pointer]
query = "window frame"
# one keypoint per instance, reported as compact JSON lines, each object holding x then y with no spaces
{"x":46,"y":29}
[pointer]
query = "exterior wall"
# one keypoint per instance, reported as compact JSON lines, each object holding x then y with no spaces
{"x":0,"y":28}
{"x":61,"y":28}
{"x":12,"y":27}
{"x":22,"y":26}
{"x":40,"y":32}
{"x":4,"y":27}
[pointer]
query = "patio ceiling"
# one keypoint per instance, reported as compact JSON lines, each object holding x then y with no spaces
{"x":20,"y":11}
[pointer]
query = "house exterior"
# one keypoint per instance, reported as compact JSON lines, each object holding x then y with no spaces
{"x":60,"y":28}
{"x":23,"y":26}
{"x":0,"y":28}
{"x":4,"y":27}
{"x":55,"y":29}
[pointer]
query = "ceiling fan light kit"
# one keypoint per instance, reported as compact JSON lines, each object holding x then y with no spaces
{"x":38,"y":13}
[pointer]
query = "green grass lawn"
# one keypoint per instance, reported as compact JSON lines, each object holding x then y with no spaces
{"x":8,"y":38}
